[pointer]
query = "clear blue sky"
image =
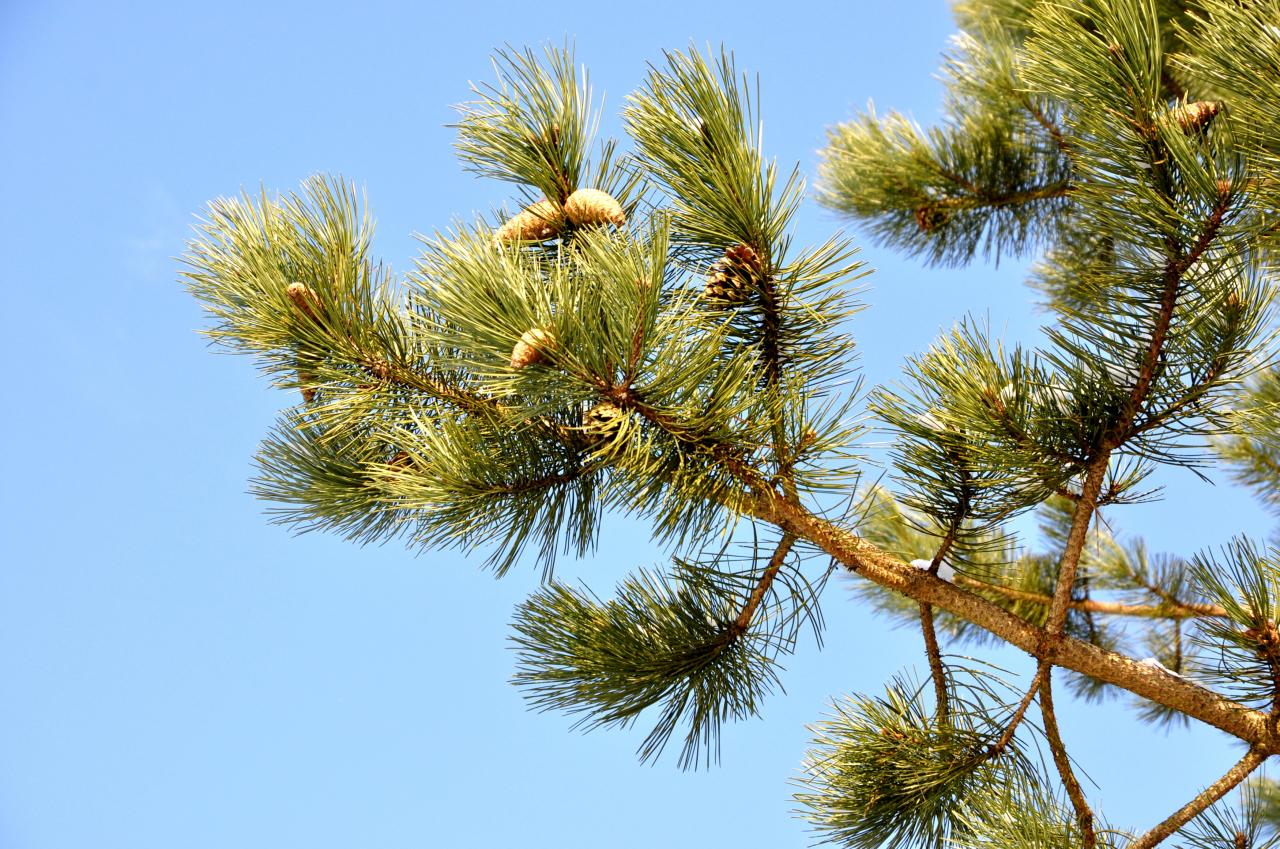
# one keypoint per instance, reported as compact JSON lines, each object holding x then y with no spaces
{"x":175,"y":671}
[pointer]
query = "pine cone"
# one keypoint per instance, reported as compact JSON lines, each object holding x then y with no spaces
{"x":930,"y":217}
{"x":377,"y":367}
{"x":305,"y":379}
{"x":532,"y":348}
{"x":550,"y":137}
{"x":602,"y":423}
{"x":536,"y":223}
{"x":734,"y":276}
{"x":592,"y":206}
{"x":305,"y":300}
{"x":1194,"y":117}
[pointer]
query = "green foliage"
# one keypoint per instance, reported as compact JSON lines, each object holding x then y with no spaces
{"x":1244,"y":647}
{"x":247,"y":253}
{"x":992,"y":179}
{"x":1261,"y":800}
{"x":534,"y":127}
{"x":1031,"y":817}
{"x":694,"y":124}
{"x":1254,"y":448}
{"x":979,"y":435}
{"x":672,"y":641}
{"x":889,"y":772}
{"x":1233,"y":50}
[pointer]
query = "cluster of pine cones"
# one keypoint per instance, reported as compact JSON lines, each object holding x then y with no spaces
{"x":546,"y":220}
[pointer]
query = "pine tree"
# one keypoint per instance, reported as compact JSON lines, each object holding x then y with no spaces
{"x":639,"y":336}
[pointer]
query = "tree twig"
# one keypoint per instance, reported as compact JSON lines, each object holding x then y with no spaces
{"x":1076,"y":538}
{"x":936,"y":669}
{"x":1084,"y":815}
{"x":780,"y":553}
{"x":1172,"y":609}
{"x":1215,"y":791}
{"x":1021,"y":711}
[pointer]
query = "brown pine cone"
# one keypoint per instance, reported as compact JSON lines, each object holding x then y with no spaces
{"x":305,"y":300}
{"x":536,"y":223}
{"x":532,"y":347}
{"x":592,"y":206}
{"x":930,"y":217}
{"x":734,"y":276}
{"x":1194,"y":117}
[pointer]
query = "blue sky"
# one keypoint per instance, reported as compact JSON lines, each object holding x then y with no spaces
{"x":177,"y":672}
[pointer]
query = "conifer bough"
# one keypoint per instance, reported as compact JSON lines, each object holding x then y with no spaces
{"x":692,"y":368}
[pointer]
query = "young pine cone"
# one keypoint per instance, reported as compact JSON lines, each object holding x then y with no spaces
{"x":734,"y":276}
{"x":537,"y":223}
{"x":306,"y":385}
{"x":532,"y":347}
{"x":930,"y":217}
{"x":305,"y":300}
{"x":1194,"y":117}
{"x":602,"y":423}
{"x":592,"y":206}
{"x":400,"y":460}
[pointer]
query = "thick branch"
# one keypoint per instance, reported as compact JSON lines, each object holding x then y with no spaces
{"x":1251,"y":761}
{"x":864,"y":558}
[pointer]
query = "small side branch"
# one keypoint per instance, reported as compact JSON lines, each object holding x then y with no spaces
{"x":1172,"y":609}
{"x":1238,"y":773}
{"x":1076,"y":537}
{"x":748,"y":611}
{"x":1021,"y":711}
{"x":980,"y":198}
{"x":1084,"y":814}
{"x":936,"y":669}
{"x":1046,"y":123}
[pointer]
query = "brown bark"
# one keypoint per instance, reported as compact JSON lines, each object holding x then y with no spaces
{"x":860,"y":556}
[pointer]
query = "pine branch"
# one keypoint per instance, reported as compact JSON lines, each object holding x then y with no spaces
{"x":1084,"y":814}
{"x":887,"y":772}
{"x":868,"y":561}
{"x":1238,"y":773}
{"x":1172,"y":608}
{"x":630,"y":388}
{"x":1042,"y":670}
{"x":1076,"y":538}
{"x":937,"y":671}
{"x":743,"y":622}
